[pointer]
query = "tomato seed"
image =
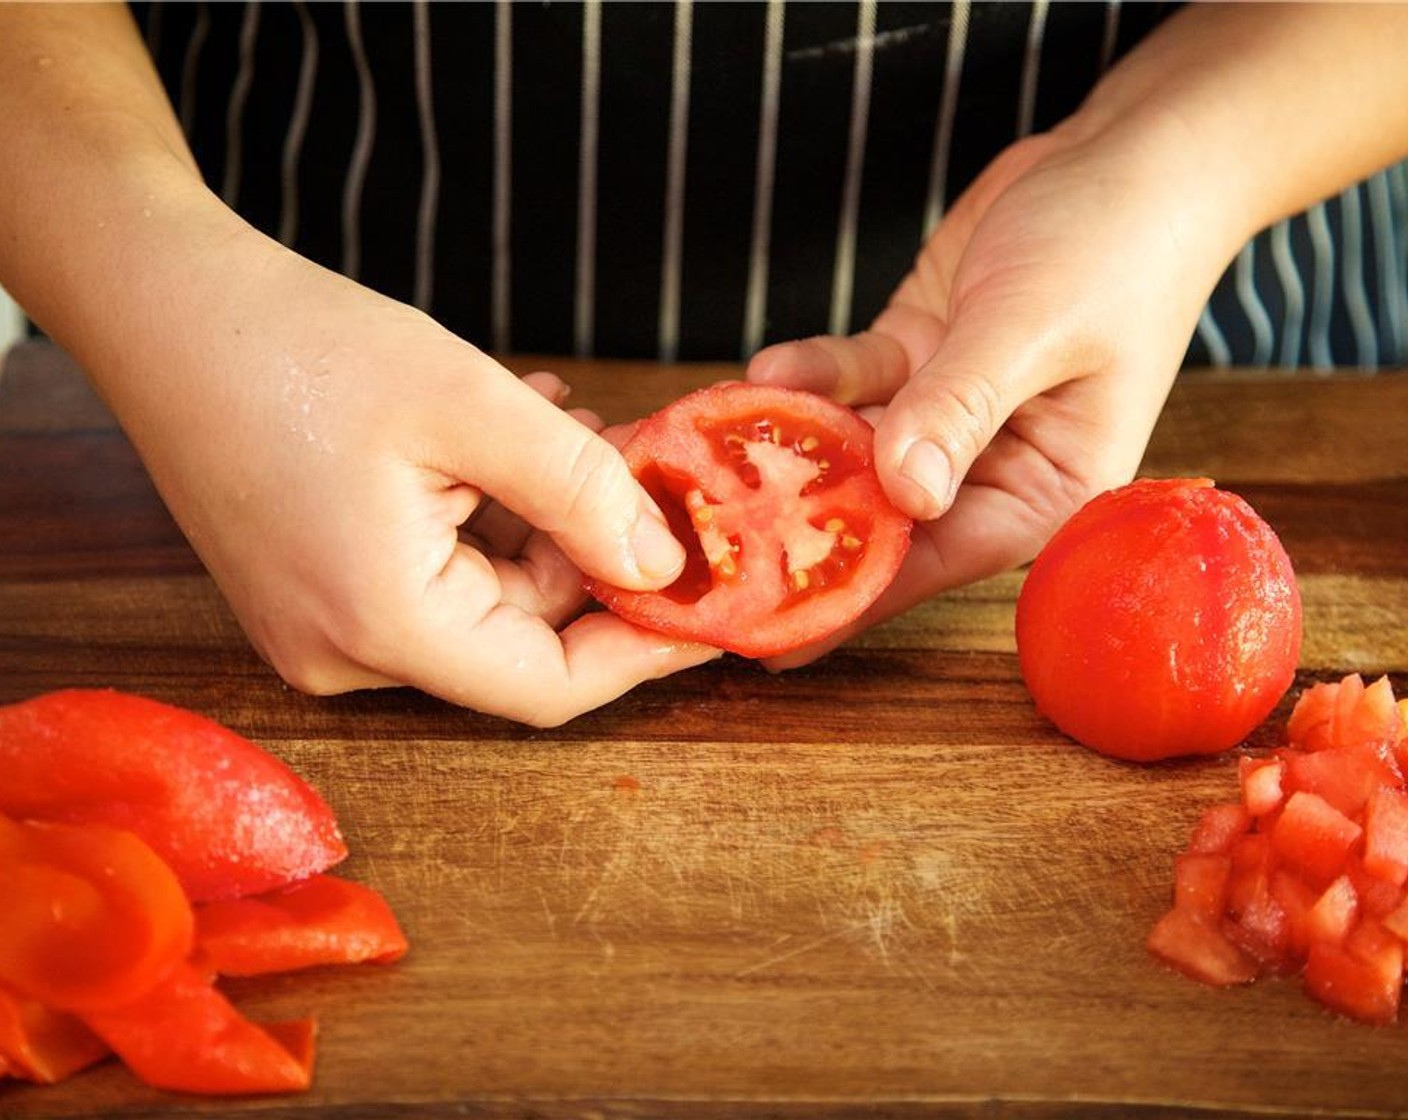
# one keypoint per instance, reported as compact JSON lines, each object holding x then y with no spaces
{"x":811,"y":443}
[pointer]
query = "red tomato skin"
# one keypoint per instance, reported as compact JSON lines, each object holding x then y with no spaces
{"x":1219,"y":828}
{"x":228,"y":817}
{"x":1162,"y":619}
{"x":754,"y":611}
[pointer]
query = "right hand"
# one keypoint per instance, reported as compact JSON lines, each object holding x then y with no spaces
{"x":322,"y":447}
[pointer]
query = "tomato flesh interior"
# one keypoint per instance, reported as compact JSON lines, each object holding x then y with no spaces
{"x":773,"y":493}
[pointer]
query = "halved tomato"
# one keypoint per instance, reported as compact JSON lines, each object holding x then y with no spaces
{"x":773,"y":493}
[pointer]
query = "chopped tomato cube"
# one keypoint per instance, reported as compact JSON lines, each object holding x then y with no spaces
{"x":1386,"y":835}
{"x":1333,"y":914}
{"x":1377,"y":896}
{"x":1375,"y":718}
{"x":1400,"y":747}
{"x":1350,"y":985}
{"x":1295,"y":897}
{"x":1314,"y":837}
{"x":1200,"y":883}
{"x":1199,"y":950}
{"x":1396,"y":920}
{"x":1336,"y":713}
{"x":1252,"y":864}
{"x":1345,"y":776}
{"x":1261,"y":784}
{"x":1218,"y":827}
{"x":1374,"y":944}
{"x":1256,"y":921}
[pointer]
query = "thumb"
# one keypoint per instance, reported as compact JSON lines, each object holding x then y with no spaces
{"x":562,"y":478}
{"x":950,"y":409}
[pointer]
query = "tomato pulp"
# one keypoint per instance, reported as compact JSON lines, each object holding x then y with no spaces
{"x":1162,"y":619}
{"x":773,"y":493}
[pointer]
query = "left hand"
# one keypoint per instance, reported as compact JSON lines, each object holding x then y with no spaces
{"x":1020,"y":366}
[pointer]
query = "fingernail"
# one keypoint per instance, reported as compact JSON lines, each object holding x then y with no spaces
{"x":926,"y":466}
{"x":657,"y":553}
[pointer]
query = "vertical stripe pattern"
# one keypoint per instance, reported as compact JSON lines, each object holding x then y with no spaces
{"x":239,"y":95}
{"x":190,"y":68}
{"x":675,"y":185}
{"x":430,"y":162}
{"x":948,"y":106}
{"x":695,"y":181}
{"x":587,"y":179}
{"x":503,"y":175}
{"x":362,"y":150}
{"x":297,"y":126}
{"x":843,"y":276}
{"x":1031,"y":68}
{"x":755,"y":314}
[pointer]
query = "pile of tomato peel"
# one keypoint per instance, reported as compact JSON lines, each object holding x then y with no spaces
{"x":146,"y":851}
{"x":1307,"y":872}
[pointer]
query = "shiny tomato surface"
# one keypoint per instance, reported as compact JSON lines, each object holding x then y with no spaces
{"x":1162,"y":619}
{"x":774,"y":495}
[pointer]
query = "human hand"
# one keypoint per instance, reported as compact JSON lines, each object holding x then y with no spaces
{"x":1020,"y":366}
{"x":362,"y":485}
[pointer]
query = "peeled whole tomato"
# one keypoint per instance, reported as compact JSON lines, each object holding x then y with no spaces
{"x":1162,"y":619}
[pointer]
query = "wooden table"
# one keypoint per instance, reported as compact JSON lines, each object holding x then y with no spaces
{"x":879,"y":886}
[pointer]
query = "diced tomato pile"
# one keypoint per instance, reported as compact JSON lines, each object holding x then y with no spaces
{"x":1307,"y":872}
{"x":146,"y":851}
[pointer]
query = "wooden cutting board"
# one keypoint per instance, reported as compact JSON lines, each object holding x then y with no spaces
{"x":878,"y":886}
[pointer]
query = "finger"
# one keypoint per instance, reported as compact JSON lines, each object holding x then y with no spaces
{"x":561,"y":477}
{"x":464,"y":643}
{"x":542,"y":581}
{"x":988,"y":530}
{"x":864,"y":368}
{"x":944,"y":417}
{"x":548,"y":386}
{"x":496,"y":531}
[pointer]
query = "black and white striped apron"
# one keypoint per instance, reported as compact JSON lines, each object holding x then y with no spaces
{"x":692,"y":180}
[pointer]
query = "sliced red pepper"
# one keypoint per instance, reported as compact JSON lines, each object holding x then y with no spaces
{"x":185,"y":1036}
{"x":230,"y":818}
{"x":323,"y":920}
{"x":92,"y":917}
{"x":40,"y":1044}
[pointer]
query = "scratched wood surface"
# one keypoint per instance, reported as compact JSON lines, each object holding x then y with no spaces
{"x":878,"y":886}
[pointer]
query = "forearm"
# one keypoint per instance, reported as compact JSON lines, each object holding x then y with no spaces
{"x":1267,"y":108}
{"x":104,"y":219}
